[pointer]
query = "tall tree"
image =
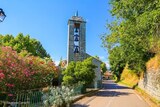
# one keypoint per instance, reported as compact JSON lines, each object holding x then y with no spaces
{"x":133,"y":34}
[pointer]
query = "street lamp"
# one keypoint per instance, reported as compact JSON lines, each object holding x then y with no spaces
{"x":2,"y":15}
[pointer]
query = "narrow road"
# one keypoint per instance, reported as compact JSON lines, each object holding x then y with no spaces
{"x":112,"y":95}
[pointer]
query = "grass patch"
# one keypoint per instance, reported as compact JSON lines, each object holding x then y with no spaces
{"x":130,"y":85}
{"x":129,"y":78}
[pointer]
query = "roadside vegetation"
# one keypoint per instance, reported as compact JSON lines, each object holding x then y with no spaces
{"x":134,"y":34}
{"x":129,"y":78}
{"x":24,"y":66}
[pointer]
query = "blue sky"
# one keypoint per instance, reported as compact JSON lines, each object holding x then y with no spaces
{"x":46,"y":21}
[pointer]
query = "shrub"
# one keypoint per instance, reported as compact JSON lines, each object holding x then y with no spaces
{"x":79,"y":72}
{"x":18,"y":72}
{"x":61,"y":96}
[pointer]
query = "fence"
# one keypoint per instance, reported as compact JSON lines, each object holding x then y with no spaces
{"x":23,"y":99}
{"x":30,"y":98}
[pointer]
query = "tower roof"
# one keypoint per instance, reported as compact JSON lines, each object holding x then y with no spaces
{"x":77,"y":18}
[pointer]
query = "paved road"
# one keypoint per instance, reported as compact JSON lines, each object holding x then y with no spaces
{"x":112,"y":95}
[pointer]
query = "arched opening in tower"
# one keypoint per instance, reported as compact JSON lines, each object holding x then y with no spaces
{"x":76,"y":37}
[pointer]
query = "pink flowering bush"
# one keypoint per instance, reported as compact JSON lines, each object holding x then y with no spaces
{"x":18,"y":72}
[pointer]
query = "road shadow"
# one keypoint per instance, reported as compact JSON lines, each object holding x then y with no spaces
{"x":106,"y":93}
{"x":79,"y":105}
{"x":114,"y":86}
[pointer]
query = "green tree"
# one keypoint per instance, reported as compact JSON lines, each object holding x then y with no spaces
{"x":79,"y":72}
{"x":103,"y":67}
{"x":21,"y":43}
{"x":84,"y":71}
{"x":133,"y":35}
{"x":116,"y":61}
{"x":68,"y":74}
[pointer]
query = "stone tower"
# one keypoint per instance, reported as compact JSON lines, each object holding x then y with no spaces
{"x":76,"y":48}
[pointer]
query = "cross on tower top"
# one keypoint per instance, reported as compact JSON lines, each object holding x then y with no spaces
{"x":76,"y":14}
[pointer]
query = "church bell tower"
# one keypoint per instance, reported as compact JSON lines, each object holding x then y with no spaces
{"x":76,"y":47}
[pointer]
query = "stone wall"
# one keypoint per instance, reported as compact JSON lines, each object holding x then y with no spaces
{"x":150,"y":82}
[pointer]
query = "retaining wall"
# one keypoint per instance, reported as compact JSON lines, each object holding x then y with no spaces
{"x":150,"y":82}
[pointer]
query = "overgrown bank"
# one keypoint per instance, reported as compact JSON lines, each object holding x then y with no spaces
{"x":147,"y":84}
{"x":129,"y":78}
{"x":133,"y":43}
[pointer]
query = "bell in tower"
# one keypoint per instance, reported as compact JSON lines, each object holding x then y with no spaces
{"x":76,"y":26}
{"x":76,"y":50}
{"x":76,"y":37}
{"x":76,"y":30}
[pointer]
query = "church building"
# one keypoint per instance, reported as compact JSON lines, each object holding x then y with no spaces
{"x":76,"y":47}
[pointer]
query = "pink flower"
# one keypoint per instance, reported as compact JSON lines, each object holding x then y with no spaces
{"x":30,"y":62}
{"x":10,"y":95}
{"x":2,"y":75}
{"x":26,"y":72}
{"x":1,"y":71}
{"x":9,"y":85}
{"x":12,"y":64}
{"x":32,"y":73}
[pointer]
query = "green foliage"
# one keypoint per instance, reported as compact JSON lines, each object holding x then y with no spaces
{"x":116,"y":61}
{"x":67,"y":79}
{"x":133,"y":35}
{"x":114,"y":77}
{"x":60,"y":96}
{"x":79,"y":72}
{"x":97,"y":57}
{"x":129,"y":77}
{"x":103,"y":67}
{"x":21,"y":43}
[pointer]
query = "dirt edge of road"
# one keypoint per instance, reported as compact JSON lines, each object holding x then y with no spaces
{"x":149,"y":99}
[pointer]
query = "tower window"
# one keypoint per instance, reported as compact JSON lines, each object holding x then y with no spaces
{"x":76,"y":25}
